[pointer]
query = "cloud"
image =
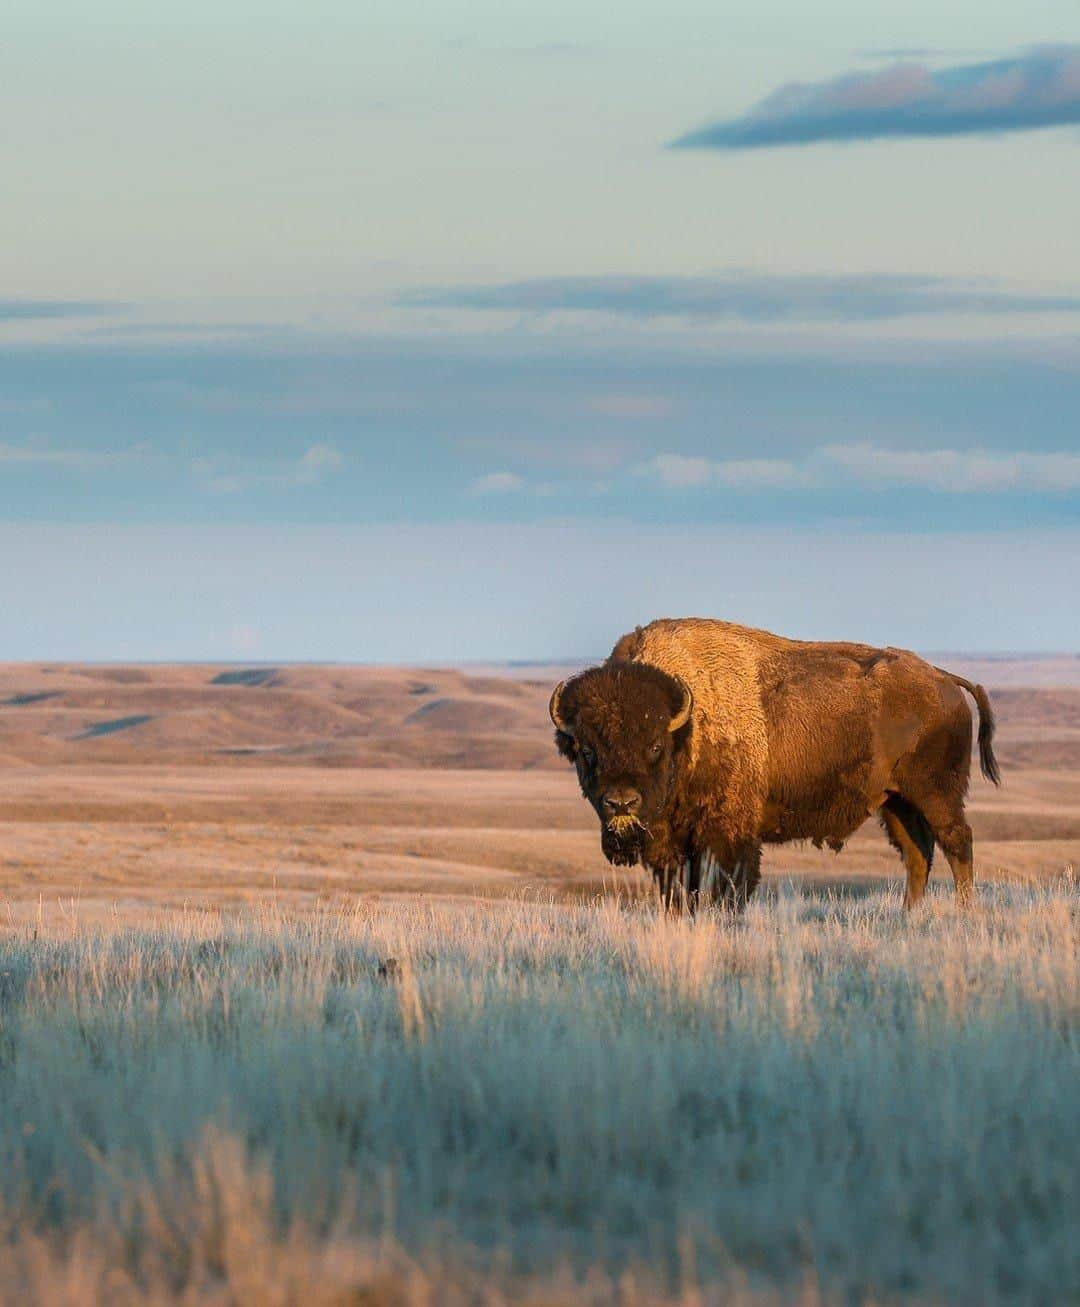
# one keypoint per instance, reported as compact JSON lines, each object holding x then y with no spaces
{"x":35,"y":310}
{"x":959,"y":471}
{"x":239,"y":475}
{"x":758,"y":473}
{"x":214,"y":481}
{"x":236,"y":475}
{"x":523,"y":402}
{"x":953,"y":471}
{"x":680,"y":472}
{"x":164,"y":332}
{"x":497,"y":483}
{"x":36,"y":454}
{"x":314,"y":464}
{"x":1037,"y":89}
{"x":749,"y":297}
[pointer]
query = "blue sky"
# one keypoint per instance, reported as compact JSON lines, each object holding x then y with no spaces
{"x":484,"y":315}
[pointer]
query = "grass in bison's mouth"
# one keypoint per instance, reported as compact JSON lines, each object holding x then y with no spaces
{"x":623,"y":839}
{"x":625,"y":824}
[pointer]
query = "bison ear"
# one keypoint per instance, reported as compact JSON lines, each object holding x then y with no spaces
{"x":564,"y":736}
{"x":686,"y":706}
{"x":553,"y":709}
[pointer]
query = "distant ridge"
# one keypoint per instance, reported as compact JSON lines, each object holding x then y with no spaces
{"x":490,"y":717}
{"x":331,"y":716}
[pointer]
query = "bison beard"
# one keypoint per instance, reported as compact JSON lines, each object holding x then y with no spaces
{"x":698,"y":742}
{"x":623,"y":841}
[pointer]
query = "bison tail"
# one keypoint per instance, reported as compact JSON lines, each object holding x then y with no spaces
{"x":987,"y":761}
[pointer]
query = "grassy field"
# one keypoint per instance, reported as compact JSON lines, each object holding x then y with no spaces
{"x":209,"y":1093}
{"x":453,"y":1101}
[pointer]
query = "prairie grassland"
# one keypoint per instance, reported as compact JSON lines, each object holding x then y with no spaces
{"x":823,"y":1101}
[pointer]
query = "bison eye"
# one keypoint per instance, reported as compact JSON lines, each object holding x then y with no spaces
{"x":588,"y":757}
{"x":655,"y":750}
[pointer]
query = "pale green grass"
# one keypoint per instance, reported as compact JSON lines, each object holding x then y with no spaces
{"x":822,"y":1101}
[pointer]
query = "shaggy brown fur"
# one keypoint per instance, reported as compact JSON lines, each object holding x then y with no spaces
{"x":784,"y":740}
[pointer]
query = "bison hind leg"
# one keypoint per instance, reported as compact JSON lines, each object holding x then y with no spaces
{"x":953,"y":834}
{"x":911,"y":835}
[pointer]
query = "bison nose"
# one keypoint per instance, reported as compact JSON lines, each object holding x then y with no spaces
{"x":621,"y":802}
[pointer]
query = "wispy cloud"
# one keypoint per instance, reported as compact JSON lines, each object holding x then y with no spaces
{"x":963,"y":471}
{"x":955,"y":471}
{"x":497,"y":483}
{"x":38,"y":454}
{"x":31,"y":310}
{"x":679,"y":471}
{"x":236,"y":475}
{"x":315,"y":463}
{"x":115,"y":432}
{"x":1036,"y":89}
{"x":221,"y":485}
{"x":165,"y":332}
{"x":228,"y":477}
{"x":749,"y":297}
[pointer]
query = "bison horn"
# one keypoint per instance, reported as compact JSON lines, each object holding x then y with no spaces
{"x":683,"y":715}
{"x":553,"y":709}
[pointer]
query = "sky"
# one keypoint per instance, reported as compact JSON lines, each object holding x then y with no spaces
{"x":398,"y":332}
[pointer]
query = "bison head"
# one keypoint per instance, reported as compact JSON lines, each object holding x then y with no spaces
{"x":622,"y":725}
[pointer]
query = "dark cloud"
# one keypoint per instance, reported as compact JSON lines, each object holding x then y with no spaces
{"x":31,"y":310}
{"x":1037,"y":89}
{"x":746,"y":296}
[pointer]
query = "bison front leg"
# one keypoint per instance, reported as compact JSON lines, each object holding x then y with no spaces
{"x":687,"y":884}
{"x":678,"y":885}
{"x":663,"y":877}
{"x":729,"y":882}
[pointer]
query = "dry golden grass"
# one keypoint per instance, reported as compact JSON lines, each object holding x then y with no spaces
{"x":427,"y":1102}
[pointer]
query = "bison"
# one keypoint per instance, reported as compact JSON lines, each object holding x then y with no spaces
{"x":699,"y":741}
